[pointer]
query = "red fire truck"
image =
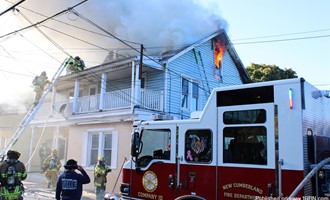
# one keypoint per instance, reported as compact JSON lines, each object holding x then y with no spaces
{"x":252,"y":141}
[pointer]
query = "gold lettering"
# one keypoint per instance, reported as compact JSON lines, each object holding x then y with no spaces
{"x":227,"y":194}
{"x":228,"y":186}
{"x":247,"y":186}
{"x":147,"y":195}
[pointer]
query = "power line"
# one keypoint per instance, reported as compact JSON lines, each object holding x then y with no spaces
{"x":42,"y":21}
{"x":12,"y":7}
{"x":280,"y":35}
{"x":281,"y":40}
{"x":15,"y":73}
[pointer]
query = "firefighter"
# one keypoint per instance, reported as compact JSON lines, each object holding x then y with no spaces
{"x":44,"y":151}
{"x":12,"y":173}
{"x":100,"y":177}
{"x":52,"y":165}
{"x":75,"y":65}
{"x":39,"y":83}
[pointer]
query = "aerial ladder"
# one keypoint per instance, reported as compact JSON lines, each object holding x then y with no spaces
{"x":31,"y":113}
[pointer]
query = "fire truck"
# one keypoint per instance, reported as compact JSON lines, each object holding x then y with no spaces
{"x":254,"y":141}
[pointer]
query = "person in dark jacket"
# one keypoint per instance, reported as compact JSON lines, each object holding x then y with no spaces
{"x":70,"y":183}
{"x":12,"y":173}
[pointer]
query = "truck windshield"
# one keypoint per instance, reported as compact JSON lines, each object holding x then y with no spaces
{"x":156,"y":143}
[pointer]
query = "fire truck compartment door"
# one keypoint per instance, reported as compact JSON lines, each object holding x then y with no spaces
{"x":248,"y":130}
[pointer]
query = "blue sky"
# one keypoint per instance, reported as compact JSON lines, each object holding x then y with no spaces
{"x":310,"y":58}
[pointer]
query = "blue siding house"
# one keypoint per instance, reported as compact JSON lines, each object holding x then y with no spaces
{"x":90,"y":113}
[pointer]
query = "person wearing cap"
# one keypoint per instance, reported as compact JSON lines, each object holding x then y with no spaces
{"x":39,"y":83}
{"x":51,"y":166}
{"x":70,"y":183}
{"x":12,"y":173}
{"x":100,"y":177}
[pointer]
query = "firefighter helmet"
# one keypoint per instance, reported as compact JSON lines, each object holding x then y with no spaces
{"x":12,"y":154}
{"x":54,"y":152}
{"x":101,"y":158}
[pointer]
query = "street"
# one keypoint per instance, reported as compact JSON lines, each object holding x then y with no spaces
{"x":35,"y":188}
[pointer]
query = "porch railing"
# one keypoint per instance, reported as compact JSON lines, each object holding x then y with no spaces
{"x":114,"y":100}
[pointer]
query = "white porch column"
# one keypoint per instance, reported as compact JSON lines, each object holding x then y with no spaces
{"x":52,"y":102}
{"x":103,"y":91}
{"x":57,"y":135}
{"x":31,"y":148}
{"x":137,"y":95}
{"x":76,"y":96}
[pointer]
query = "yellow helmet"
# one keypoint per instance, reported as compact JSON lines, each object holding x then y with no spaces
{"x":54,"y":152}
{"x":101,"y":158}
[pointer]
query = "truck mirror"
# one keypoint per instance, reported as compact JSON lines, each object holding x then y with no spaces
{"x":135,"y":144}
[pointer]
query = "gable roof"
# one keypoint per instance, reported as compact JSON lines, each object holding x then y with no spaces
{"x":229,"y":47}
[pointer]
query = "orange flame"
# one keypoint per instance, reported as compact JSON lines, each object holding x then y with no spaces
{"x":218,"y":53}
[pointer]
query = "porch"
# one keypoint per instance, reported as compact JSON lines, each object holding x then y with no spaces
{"x":114,"y":100}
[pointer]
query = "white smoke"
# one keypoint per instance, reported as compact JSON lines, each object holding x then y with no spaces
{"x":156,"y":23}
{"x":160,"y":25}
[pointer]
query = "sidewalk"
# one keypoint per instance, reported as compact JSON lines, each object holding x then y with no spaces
{"x":36,"y":188}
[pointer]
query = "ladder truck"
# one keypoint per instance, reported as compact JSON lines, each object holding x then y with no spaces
{"x":268,"y":140}
{"x":31,"y":113}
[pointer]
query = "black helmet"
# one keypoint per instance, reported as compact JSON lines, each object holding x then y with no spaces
{"x":77,"y":58}
{"x":71,"y":164}
{"x":11,"y":154}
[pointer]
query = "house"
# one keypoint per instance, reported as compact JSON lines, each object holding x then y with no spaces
{"x":91,"y":113}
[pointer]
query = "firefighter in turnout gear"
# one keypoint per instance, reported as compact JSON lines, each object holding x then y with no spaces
{"x":100,"y":177}
{"x":52,"y":165}
{"x":39,"y":83}
{"x":75,"y":65}
{"x":12,"y":173}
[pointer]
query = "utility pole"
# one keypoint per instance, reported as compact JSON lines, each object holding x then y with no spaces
{"x":141,"y":62}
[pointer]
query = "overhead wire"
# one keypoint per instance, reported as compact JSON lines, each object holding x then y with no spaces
{"x":138,"y":51}
{"x":281,"y":35}
{"x":117,"y":39}
{"x":282,"y":40}
{"x":42,"y":21}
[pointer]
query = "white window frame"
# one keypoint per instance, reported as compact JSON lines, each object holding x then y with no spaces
{"x":190,"y":95}
{"x":88,"y":142}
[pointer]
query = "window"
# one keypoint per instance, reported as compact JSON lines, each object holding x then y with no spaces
{"x":245,"y":145}
{"x":71,"y":94}
{"x":156,"y":143}
{"x":189,"y":95}
{"x":102,"y":143}
{"x":92,"y":91}
{"x":244,"y":116}
{"x":198,"y":146}
{"x":185,"y":92}
{"x":194,"y":99}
